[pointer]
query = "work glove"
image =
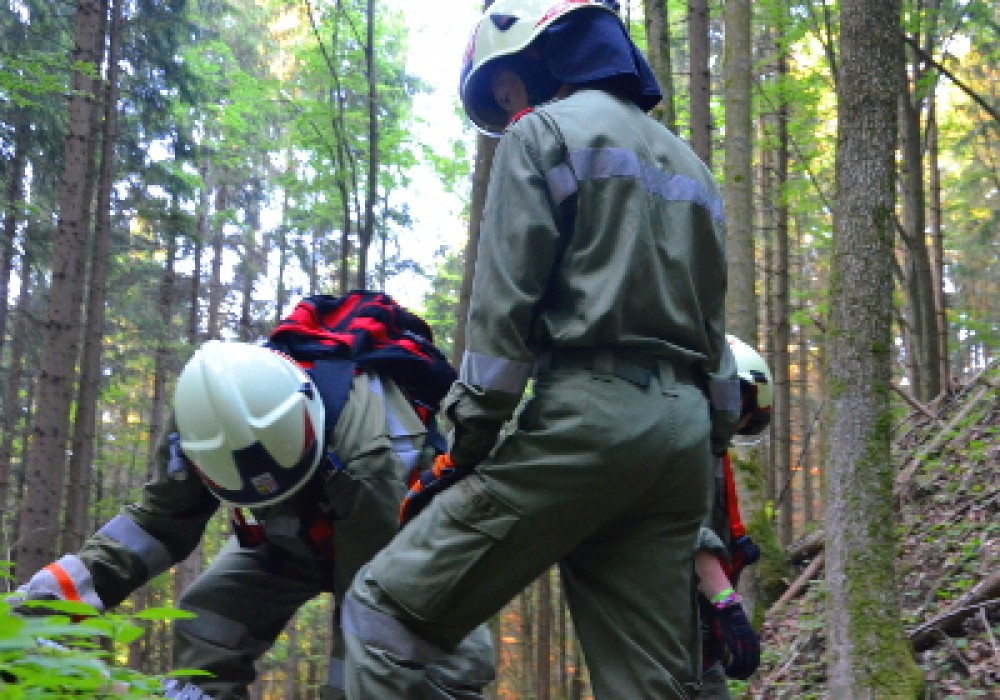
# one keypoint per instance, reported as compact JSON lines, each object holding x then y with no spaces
{"x":442,"y":474}
{"x":729,"y":638}
{"x":743,"y":552}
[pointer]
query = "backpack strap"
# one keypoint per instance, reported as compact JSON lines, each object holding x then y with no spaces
{"x":332,"y":378}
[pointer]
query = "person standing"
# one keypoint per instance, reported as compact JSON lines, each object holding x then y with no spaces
{"x":730,"y":646}
{"x":601,"y":272}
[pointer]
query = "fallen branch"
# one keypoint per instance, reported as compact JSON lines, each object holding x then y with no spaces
{"x":805,"y":548}
{"x":905,"y":478}
{"x":984,"y":595}
{"x":799,"y":584}
{"x":916,"y":405}
{"x":793,"y":653}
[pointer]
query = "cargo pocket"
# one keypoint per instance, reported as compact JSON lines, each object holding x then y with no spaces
{"x":433,"y":567}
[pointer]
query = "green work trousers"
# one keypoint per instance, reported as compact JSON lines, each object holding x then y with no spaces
{"x":607,"y":478}
{"x":248,"y":595}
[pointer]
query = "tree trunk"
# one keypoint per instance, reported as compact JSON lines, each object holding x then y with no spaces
{"x":741,"y":300}
{"x":918,"y":280}
{"x":937,"y":242}
{"x":14,"y":407}
{"x":163,"y":356}
{"x":76,"y":526}
{"x":207,"y":173}
{"x":543,"y":652}
{"x":781,"y":334}
{"x":216,"y":291}
{"x":869,"y":656}
{"x":15,"y":202}
{"x":485,"y":148}
{"x":46,"y":470}
{"x":657,"y":17}
{"x":700,"y":93}
{"x":371,"y":193}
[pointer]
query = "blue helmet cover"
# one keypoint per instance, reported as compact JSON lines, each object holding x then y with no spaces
{"x":599,"y":52}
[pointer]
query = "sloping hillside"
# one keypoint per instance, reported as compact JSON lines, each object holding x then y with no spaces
{"x":948,"y":495}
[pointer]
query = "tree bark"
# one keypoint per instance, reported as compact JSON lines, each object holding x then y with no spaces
{"x":741,"y":299}
{"x":485,"y":148}
{"x":76,"y":526}
{"x":371,"y":190}
{"x":700,"y":80}
{"x":15,"y":202}
{"x":46,"y":469}
{"x":14,"y":405}
{"x":543,"y":652}
{"x":868,"y":652}
{"x":657,"y":17}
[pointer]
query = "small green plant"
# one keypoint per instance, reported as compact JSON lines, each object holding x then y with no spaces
{"x":52,"y":649}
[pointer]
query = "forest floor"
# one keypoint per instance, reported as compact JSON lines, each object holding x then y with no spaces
{"x":948,"y":507}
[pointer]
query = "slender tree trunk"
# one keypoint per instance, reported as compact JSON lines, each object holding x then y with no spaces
{"x":202,"y":214}
{"x":869,"y":656}
{"x":371,"y":193}
{"x":250,"y":268}
{"x":937,"y":242}
{"x":76,"y":526}
{"x":543,"y":652}
{"x":741,"y":300}
{"x":14,"y":407}
{"x":485,"y":148}
{"x":808,"y":439}
{"x":918,"y":279}
{"x":657,"y":18}
{"x":15,"y":202}
{"x":216,"y":292}
{"x":782,"y":432}
{"x":163,"y":360}
{"x":46,"y":471}
{"x":700,"y":80}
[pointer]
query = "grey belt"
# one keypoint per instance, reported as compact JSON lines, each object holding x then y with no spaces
{"x":632,"y":367}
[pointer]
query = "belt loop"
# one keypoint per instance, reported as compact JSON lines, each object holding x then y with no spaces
{"x":604,"y":362}
{"x":666,"y":370}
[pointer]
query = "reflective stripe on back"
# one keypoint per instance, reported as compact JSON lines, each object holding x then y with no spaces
{"x":605,"y":163}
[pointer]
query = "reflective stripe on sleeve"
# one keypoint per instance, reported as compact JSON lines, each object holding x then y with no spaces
{"x":497,"y":373}
{"x":153,"y":553}
{"x":172,"y":688}
{"x":724,"y":394}
{"x":605,"y":163}
{"x":68,"y":578}
{"x":381,"y":631}
{"x":223,"y":631}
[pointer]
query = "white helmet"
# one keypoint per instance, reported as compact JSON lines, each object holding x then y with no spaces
{"x":506,"y":28}
{"x":756,"y":386}
{"x":251,"y":422}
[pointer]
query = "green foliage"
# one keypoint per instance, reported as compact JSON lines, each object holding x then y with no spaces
{"x":44,"y":653}
{"x":441,"y":303}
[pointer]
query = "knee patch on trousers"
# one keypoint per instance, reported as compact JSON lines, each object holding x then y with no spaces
{"x":220,"y":631}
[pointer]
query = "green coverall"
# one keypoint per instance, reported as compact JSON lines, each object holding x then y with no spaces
{"x":602,"y":272}
{"x":246,"y":596}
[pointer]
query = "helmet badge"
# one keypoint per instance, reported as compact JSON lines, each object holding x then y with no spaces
{"x":265,"y":484}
